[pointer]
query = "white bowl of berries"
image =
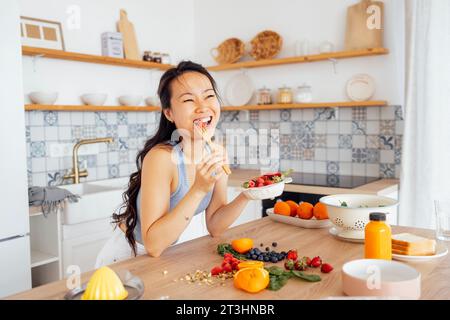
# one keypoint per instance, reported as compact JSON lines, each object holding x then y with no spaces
{"x":266,"y":186}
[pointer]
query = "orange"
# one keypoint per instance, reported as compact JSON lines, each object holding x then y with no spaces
{"x":252,"y":279}
{"x":250,"y":264}
{"x":293,"y":205}
{"x":242,"y":245}
{"x":305,"y":210}
{"x":320,"y":211}
{"x":282,"y":208}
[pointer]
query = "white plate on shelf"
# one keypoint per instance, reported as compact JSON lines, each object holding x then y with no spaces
{"x":441,"y":251}
{"x":338,"y":234}
{"x":312,"y":223}
{"x":239,"y":90}
{"x":360,"y":87}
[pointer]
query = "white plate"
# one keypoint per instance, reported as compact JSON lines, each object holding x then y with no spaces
{"x":441,"y":250}
{"x":312,"y":223}
{"x":336,"y":232}
{"x":360,"y":87}
{"x":239,"y":90}
{"x":266,"y":192}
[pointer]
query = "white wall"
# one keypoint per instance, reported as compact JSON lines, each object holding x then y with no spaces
{"x":315,"y":20}
{"x":164,"y":26}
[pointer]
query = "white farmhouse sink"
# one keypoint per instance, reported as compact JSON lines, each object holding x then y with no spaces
{"x":99,"y":199}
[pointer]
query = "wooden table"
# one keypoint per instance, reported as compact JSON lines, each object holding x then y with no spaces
{"x":200,"y":254}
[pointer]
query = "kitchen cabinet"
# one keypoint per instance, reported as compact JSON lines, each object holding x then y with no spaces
{"x":82,"y":242}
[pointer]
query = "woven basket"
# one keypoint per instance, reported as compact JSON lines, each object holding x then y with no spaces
{"x":229,"y":51}
{"x":266,"y":45}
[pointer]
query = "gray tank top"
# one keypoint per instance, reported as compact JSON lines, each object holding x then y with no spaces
{"x":177,"y":195}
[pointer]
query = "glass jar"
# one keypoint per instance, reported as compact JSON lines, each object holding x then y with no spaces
{"x":377,"y":241}
{"x":147,"y":56}
{"x":165,"y":58}
{"x":157,"y":57}
{"x":284,"y":95}
{"x":264,"y":96}
{"x":303,"y":94}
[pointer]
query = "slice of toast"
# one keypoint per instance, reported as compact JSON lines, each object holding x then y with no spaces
{"x":410,"y":244}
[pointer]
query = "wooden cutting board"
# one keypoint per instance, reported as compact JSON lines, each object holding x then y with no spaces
{"x":365,"y":25}
{"x":130,"y":45}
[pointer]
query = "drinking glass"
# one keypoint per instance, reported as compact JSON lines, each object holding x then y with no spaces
{"x":442,"y":208}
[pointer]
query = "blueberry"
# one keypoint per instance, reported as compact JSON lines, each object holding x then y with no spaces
{"x":266,"y":259}
{"x":283,"y":253}
{"x":248,"y":255}
{"x":260,"y":258}
{"x":274,"y":244}
{"x":254,"y":257}
{"x":257,"y":251}
{"x":274,"y":260}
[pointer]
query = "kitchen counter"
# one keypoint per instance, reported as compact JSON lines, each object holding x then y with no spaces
{"x":159,"y":274}
{"x":381,"y":187}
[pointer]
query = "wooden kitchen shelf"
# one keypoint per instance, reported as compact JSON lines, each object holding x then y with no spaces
{"x":44,"y":107}
{"x":347,"y":104}
{"x":300,"y":59}
{"x":39,"y":258}
{"x":82,"y":57}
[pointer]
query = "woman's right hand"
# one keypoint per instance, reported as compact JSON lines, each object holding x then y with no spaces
{"x":204,"y":179}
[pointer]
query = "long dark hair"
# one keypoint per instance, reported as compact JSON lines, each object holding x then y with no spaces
{"x":162,"y":136}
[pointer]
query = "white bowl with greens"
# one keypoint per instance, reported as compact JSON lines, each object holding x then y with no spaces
{"x":350,"y":212}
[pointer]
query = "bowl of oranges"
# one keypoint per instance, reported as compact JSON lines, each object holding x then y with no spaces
{"x":303,"y":214}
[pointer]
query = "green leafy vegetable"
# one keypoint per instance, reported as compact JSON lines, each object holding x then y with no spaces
{"x":306,"y":277}
{"x":279,"y":277}
{"x":343,"y":203}
{"x":227,"y":248}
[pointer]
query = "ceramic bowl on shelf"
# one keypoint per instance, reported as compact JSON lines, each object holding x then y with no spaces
{"x":94,"y":99}
{"x":153,"y":101}
{"x":130,"y":100}
{"x":40,"y":97}
{"x":350,"y":212}
{"x":380,"y":278}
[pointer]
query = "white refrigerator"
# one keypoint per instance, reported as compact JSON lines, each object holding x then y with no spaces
{"x":15,"y":271}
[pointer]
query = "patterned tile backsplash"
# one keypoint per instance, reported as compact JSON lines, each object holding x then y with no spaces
{"x":358,"y":141}
{"x":130,"y":130}
{"x":363,"y":141}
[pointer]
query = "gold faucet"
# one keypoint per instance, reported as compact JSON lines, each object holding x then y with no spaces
{"x":76,"y":173}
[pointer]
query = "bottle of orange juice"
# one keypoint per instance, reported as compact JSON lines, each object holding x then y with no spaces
{"x":378,"y":238}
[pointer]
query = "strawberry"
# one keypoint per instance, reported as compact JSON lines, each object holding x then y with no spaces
{"x":227,"y":256}
{"x":289,"y":264}
{"x":227,"y":268}
{"x":260,"y":181}
{"x":300,"y":265}
{"x":260,"y":185}
{"x":326,"y":268}
{"x":268,"y":182}
{"x":251,"y":184}
{"x":316,"y":262}
{"x":292,"y":254}
{"x":216,"y":270}
{"x":308,"y":261}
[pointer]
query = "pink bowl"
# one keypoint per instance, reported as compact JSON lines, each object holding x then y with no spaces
{"x":381,"y":278}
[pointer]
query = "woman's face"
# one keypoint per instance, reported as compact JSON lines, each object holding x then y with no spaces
{"x":193,"y":99}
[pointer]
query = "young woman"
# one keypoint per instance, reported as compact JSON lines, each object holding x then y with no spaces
{"x":174,"y":181}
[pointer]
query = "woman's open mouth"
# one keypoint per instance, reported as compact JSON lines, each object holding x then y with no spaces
{"x":203,"y":122}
